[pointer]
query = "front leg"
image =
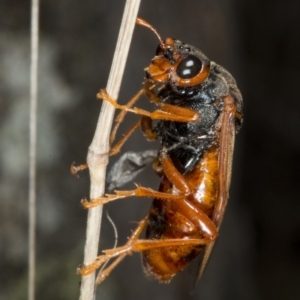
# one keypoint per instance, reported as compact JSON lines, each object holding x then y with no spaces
{"x":166,"y":112}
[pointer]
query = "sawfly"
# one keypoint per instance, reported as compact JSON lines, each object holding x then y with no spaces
{"x":198,"y":111}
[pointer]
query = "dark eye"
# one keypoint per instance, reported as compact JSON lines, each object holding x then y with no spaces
{"x":189,"y":67}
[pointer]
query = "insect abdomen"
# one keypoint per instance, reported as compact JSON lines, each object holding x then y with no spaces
{"x":174,"y":219}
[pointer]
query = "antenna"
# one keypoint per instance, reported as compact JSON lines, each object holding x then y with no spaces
{"x":144,"y":23}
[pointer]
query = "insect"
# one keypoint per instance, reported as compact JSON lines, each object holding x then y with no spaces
{"x":198,"y":112}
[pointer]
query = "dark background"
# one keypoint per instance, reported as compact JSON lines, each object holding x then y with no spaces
{"x":258,"y":252}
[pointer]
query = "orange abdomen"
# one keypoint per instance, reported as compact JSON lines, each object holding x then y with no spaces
{"x":177,"y":219}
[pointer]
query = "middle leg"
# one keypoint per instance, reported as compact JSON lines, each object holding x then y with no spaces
{"x":170,"y":172}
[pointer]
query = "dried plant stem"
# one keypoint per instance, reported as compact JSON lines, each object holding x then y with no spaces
{"x":97,"y":158}
{"x":32,"y":146}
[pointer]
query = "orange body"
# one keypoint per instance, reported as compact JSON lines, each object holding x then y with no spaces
{"x":179,"y":219}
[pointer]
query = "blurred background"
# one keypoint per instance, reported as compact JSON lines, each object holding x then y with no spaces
{"x":257,"y":255}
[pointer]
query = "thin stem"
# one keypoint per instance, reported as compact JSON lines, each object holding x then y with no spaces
{"x":97,"y":158}
{"x":32,"y":145}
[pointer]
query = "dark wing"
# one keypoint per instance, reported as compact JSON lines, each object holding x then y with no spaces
{"x":226,"y":145}
{"x":128,"y":166}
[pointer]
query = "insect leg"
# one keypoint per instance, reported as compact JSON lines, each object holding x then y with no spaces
{"x":145,"y":123}
{"x":147,"y":129}
{"x":138,"y":192}
{"x":120,"y":117}
{"x":144,"y":245}
{"x":193,"y":213}
{"x":150,"y":94}
{"x":136,"y":245}
{"x":102,"y":275}
{"x":171,"y":173}
{"x":166,"y":111}
{"x":121,"y":252}
{"x":74,"y":169}
{"x":118,"y":120}
{"x":117,"y":147}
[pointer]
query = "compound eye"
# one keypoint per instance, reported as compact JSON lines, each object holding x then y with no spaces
{"x":189,"y":67}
